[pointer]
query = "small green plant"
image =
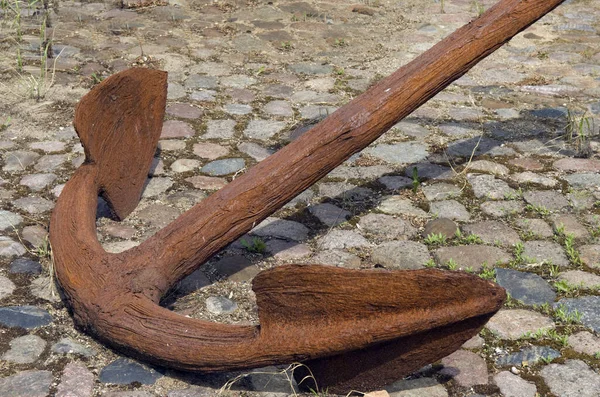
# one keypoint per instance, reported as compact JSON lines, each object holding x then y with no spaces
{"x":566,"y":316}
{"x":572,"y":253}
{"x":43,"y":251}
{"x":5,"y":124}
{"x":519,"y":257}
{"x":546,"y":359}
{"x":435,"y":239}
{"x":451,"y":264}
{"x":487,"y":273}
{"x":340,"y":42}
{"x":564,"y":287}
{"x":554,"y":270}
{"x":539,"y":209}
{"x":469,"y":269}
{"x":286,"y":46}
{"x":597,"y":356}
{"x":471,"y":239}
{"x":260,"y":70}
{"x":96,"y":78}
{"x":578,"y":130}
{"x":478,"y":7}
{"x":514,"y":195}
{"x":430,"y":263}
{"x":256,"y":246}
{"x":339,"y":71}
{"x":415,"y":179}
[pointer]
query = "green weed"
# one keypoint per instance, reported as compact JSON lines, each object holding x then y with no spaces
{"x":256,"y":246}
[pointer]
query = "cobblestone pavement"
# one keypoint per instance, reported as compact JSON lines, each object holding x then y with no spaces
{"x":497,"y":175}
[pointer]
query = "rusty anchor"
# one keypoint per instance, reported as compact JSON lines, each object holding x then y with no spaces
{"x":354,"y":329}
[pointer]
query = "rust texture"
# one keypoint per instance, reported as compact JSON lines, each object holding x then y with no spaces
{"x":356,"y":329}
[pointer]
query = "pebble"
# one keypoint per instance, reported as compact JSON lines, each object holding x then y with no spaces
{"x":489,"y":187}
{"x":401,"y":255}
{"x":585,"y":342}
{"x":18,"y":160}
{"x":471,"y":256}
{"x":33,"y":205}
{"x":220,"y":305}
{"x":529,"y":288}
{"x":220,"y":129}
{"x":176,"y":129}
{"x":329,"y":214}
{"x":263,"y":130}
{"x":156,"y":186}
{"x":386,"y":227}
{"x":27,"y":317}
{"x":515,"y":323}
{"x":528,"y":356}
{"x":537,"y":251}
{"x":587,"y":306}
{"x":397,"y":205}
{"x":572,"y":379}
{"x":467,"y":368}
{"x":493,"y":232}
{"x":37,"y":182}
{"x":67,"y":345}
{"x":31,"y":383}
{"x":25,"y":349}
{"x":9,"y":221}
{"x":399,"y":153}
{"x":210,"y":151}
{"x":342,"y":239}
{"x":514,"y":386}
{"x":76,"y":381}
{"x":26,"y":266}
{"x":451,"y":209}
{"x":123,"y":371}
{"x":10,"y":248}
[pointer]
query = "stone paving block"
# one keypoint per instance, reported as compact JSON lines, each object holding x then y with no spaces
{"x":467,"y":368}
{"x":499,"y":209}
{"x":337,"y":257}
{"x":493,"y":232}
{"x":489,"y":187}
{"x":512,"y":385}
{"x":401,"y":255}
{"x":441,"y":191}
{"x":329,"y":214}
{"x":529,"y":288}
{"x":548,"y":199}
{"x":590,"y":255}
{"x":342,"y":239}
{"x":527,"y":356}
{"x":450,"y":209}
{"x":515,"y":323}
{"x":281,"y":228}
{"x":588,"y":308}
{"x":31,"y":383}
{"x":570,"y":225}
{"x":419,"y":387}
{"x":76,"y":381}
{"x":399,"y":153}
{"x":25,"y":349}
{"x":537,"y":251}
{"x":535,"y":227}
{"x":572,"y":379}
{"x":397,"y":205}
{"x":123,"y":371}
{"x":472,"y":256}
{"x":386,"y":227}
